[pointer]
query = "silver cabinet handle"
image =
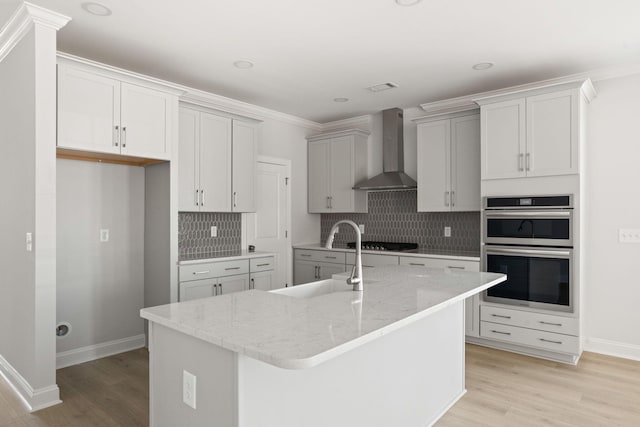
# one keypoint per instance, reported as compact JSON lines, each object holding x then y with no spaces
{"x":528,"y":161}
{"x":263,"y":265}
{"x":446,"y":198}
{"x":201,"y":272}
{"x":252,"y":285}
{"x":500,"y":332}
{"x":231,"y":268}
{"x":550,"y":323}
{"x":116,"y":136}
{"x":330,"y":257}
{"x":215,"y":290}
{"x":124,"y":137}
{"x":551,"y":341}
{"x":453,"y":198}
{"x":220,"y":288}
{"x":455,"y":267}
{"x":305,"y":255}
{"x":330,"y":202}
{"x":553,"y":253}
{"x":416,"y":263}
{"x":201,"y":197}
{"x":235,"y":199}
{"x":501,"y":316}
{"x":317,"y":272}
{"x":328,"y":206}
{"x":521,"y":162}
{"x":537,"y":214}
{"x":197,"y":198}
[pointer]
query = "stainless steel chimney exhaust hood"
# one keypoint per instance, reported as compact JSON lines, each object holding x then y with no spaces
{"x":393,"y":176}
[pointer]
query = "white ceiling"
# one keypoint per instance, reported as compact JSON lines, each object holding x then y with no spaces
{"x":308,"y":52}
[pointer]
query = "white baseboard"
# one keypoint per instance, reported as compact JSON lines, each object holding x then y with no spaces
{"x":98,"y":351}
{"x":612,"y":348}
{"x":34,"y":399}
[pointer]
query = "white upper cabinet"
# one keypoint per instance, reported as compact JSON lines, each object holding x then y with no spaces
{"x":217,"y":163}
{"x":533,"y":134}
{"x":102,"y":114}
{"x":448,"y":167}
{"x":337,"y":161}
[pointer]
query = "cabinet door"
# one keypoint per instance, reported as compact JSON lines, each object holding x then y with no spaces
{"x":341,"y":174}
{"x":88,"y":111}
{"x":465,"y":168}
{"x":327,"y":269}
{"x":434,"y":175}
{"x":263,"y":280}
{"x":215,"y":163}
{"x":230,"y":284}
{"x":305,"y":272}
{"x":244,"y":166}
{"x":318,"y":169}
{"x":145,"y":117}
{"x":197,"y":289}
{"x":503,"y":139}
{"x":552,"y":142}
{"x":188,"y":199}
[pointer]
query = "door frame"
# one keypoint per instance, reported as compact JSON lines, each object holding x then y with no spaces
{"x":289,"y":255}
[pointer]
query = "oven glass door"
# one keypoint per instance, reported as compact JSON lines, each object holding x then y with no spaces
{"x":530,"y":228}
{"x":535,"y":277}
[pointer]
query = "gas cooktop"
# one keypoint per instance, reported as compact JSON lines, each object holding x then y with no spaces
{"x":385,"y":246}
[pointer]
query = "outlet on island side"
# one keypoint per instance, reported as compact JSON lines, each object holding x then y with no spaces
{"x":447,"y":231}
{"x":189,"y":389}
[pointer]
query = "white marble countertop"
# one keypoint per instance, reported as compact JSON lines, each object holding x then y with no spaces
{"x":420,"y":252}
{"x":296,"y":333}
{"x":222,"y":256}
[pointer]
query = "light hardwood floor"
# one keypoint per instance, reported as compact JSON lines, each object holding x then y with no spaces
{"x":504,"y":389}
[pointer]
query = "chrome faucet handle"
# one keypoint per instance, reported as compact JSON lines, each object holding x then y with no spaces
{"x":353,"y":279}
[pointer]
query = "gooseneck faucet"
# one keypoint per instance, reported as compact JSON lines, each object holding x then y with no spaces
{"x":356,"y":272}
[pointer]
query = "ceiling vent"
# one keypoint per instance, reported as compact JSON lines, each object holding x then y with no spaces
{"x":382,"y":86}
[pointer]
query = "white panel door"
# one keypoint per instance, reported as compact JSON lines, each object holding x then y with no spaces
{"x":215,"y":163}
{"x":188,"y":199}
{"x":552,"y":144}
{"x":434,"y":175}
{"x":267,"y":228}
{"x":88,"y":111}
{"x":197,"y":289}
{"x":244,"y":164}
{"x":230,"y":284}
{"x":503,"y":136}
{"x":264,"y":280}
{"x":465,"y":166}
{"x":145,"y":116}
{"x":341,"y":174}
{"x":305,"y":272}
{"x":318,"y":169}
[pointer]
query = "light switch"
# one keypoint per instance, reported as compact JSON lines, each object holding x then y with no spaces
{"x":104,"y":235}
{"x":214,"y":231}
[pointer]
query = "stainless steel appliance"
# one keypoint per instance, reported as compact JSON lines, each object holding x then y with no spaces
{"x":530,"y":239}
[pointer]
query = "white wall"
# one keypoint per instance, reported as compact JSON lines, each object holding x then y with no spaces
{"x":612,"y":282}
{"x":100,"y":285}
{"x":27,"y":186}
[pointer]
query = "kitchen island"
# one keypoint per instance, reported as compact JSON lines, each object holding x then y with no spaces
{"x":317,"y":354}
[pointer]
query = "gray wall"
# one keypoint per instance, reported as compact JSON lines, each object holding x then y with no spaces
{"x":100,"y":285}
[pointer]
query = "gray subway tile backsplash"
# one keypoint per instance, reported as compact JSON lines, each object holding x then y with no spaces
{"x":194,"y":233}
{"x":393,"y":217}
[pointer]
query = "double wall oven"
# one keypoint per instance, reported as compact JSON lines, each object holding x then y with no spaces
{"x":530,"y":239}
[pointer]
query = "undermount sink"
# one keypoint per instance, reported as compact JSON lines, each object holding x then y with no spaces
{"x":315,"y":289}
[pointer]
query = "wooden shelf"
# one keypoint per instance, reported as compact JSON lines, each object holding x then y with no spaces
{"x":88,"y":156}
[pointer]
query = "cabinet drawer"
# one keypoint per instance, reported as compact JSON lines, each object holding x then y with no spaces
{"x":373,"y":260}
{"x":531,"y":320}
{"x":262,"y":264}
{"x":322,"y":256}
{"x":440,"y":263}
{"x":531,"y":337}
{"x":213,"y":269}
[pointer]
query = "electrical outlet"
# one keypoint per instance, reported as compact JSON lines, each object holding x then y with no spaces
{"x":629,"y":235}
{"x":361,"y":227}
{"x":447,"y":231}
{"x":29,"y":241}
{"x":189,"y":389}
{"x":104,"y":235}
{"x":214,"y":231}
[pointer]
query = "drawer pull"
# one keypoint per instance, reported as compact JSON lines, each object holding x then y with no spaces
{"x":416,"y":263}
{"x":501,"y":333}
{"x":305,"y":255}
{"x":368,"y":266}
{"x":550,"y":323}
{"x":263,"y":265}
{"x":201,"y":272}
{"x":331,"y":257}
{"x":455,"y":267}
{"x":232,"y":268}
{"x":501,"y":316}
{"x":551,"y":341}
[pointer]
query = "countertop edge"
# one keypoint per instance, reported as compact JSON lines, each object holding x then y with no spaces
{"x":243,"y":255}
{"x":319,"y":247}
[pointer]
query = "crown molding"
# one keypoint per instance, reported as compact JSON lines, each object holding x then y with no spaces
{"x":25,"y":16}
{"x":338,"y":133}
{"x":359,"y":122}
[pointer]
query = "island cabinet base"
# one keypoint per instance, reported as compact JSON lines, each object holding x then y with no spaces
{"x":409,"y":377}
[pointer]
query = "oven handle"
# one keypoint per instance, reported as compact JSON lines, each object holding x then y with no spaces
{"x":529,"y":252}
{"x":543,"y":214}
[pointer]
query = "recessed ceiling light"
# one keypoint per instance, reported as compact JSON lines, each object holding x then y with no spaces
{"x":242,"y":64}
{"x":340,"y":99}
{"x":482,"y":66}
{"x":408,"y":2}
{"x":382,"y":86}
{"x":96,"y":8}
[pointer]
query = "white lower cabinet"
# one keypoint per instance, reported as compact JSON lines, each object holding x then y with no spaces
{"x":539,"y":330}
{"x":262,"y":280}
{"x":197,"y":289}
